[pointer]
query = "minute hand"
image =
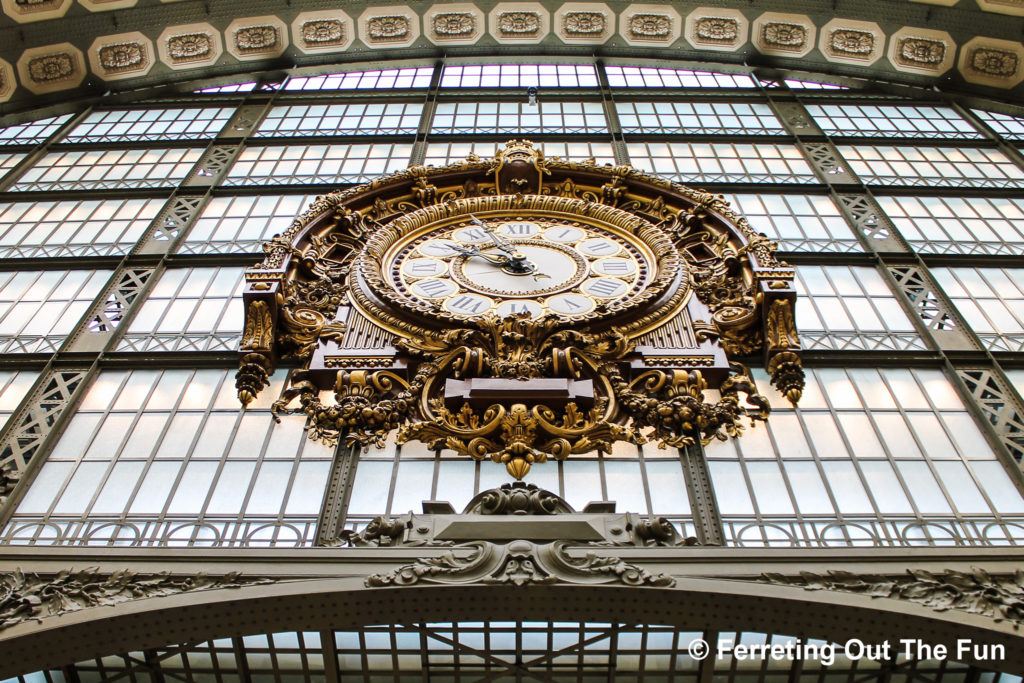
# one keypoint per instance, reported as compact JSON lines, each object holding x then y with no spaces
{"x":496,"y":259}
{"x":499,"y":240}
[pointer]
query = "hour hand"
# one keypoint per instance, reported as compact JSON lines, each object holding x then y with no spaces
{"x":496,"y":259}
{"x":499,"y":240}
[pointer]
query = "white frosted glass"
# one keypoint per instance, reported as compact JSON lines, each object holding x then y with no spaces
{"x":885,"y":487}
{"x":120,"y":484}
{"x":81,"y":488}
{"x":76,"y":437}
{"x":961,"y":488}
{"x":625,"y":485}
{"x":730,"y":488}
{"x":307,"y":494}
{"x":193,"y":487}
{"x":924,"y":491}
{"x":155,"y":487}
{"x":370,"y":487}
{"x":270,"y":487}
{"x":811,"y":495}
{"x":582,"y":482}
{"x":232,"y":486}
{"x":412,"y":486}
{"x":109,"y":436}
{"x":769,"y":488}
{"x":846,"y":487}
{"x":45,"y":487}
{"x":668,"y":488}
{"x":1005,"y":497}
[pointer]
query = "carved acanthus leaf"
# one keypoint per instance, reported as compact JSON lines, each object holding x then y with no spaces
{"x":519,"y":563}
{"x":1000,"y":598}
{"x":28,"y":596}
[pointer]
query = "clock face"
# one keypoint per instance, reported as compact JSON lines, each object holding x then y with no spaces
{"x":532,"y":264}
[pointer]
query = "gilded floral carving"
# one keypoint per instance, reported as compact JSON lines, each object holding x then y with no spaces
{"x":920,"y":52}
{"x":851,"y":42}
{"x":51,"y":68}
{"x":650,"y":26}
{"x":784,"y":36}
{"x":390,"y":28}
{"x":454,"y":24}
{"x":584,"y":24}
{"x":189,"y":47}
{"x":251,"y":39}
{"x":519,"y":24}
{"x":717,"y":29}
{"x":322,"y":32}
{"x":993,"y":62}
{"x":122,"y":56}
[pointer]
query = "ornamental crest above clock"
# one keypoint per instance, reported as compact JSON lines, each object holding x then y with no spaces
{"x":520,"y":309}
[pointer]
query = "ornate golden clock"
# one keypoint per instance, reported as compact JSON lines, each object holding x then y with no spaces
{"x":558,"y":257}
{"x":521,"y":309}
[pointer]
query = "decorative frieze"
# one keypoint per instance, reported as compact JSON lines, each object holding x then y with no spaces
{"x":51,"y":68}
{"x":330,"y":31}
{"x":923,"y":51}
{"x":851,"y":42}
{"x":126,"y":55}
{"x":448,"y":24}
{"x":582,"y":22}
{"x":24,"y":11}
{"x":715,"y":28}
{"x":392,"y":26}
{"x":989,"y":61}
{"x":8,"y":83}
{"x":189,"y":46}
{"x":787,"y":35}
{"x":107,"y":5}
{"x":650,"y":25}
{"x":256,"y":37}
{"x":519,"y":22}
{"x":1014,"y":7}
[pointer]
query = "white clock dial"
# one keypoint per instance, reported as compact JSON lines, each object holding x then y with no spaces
{"x":553,"y":269}
{"x":472,"y":235}
{"x":434,"y":288}
{"x":468,"y":304}
{"x":519,"y":229}
{"x":604,"y":288}
{"x":516,"y":306}
{"x":616,"y":267}
{"x":424,"y":267}
{"x":438,"y":248}
{"x":601,"y":246}
{"x":564,"y":234}
{"x":570,"y":304}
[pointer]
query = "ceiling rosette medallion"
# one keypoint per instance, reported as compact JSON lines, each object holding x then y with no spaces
{"x":521,"y":309}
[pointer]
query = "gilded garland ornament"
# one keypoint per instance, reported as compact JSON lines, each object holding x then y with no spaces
{"x":519,"y":310}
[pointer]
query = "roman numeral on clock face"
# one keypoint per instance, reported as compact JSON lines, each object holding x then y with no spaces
{"x":433,"y":289}
{"x":468,"y":304}
{"x":605,"y":287}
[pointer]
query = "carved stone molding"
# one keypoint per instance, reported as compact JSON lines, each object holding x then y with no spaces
{"x":107,"y":5}
{"x":517,"y":499}
{"x":584,"y":23}
{"x":126,"y":55}
{"x":8,"y":82}
{"x":519,"y":22}
{"x":34,"y":597}
{"x":650,"y":25}
{"x":461,"y":23}
{"x":518,"y":563}
{"x":390,"y":26}
{"x":923,"y":51}
{"x":51,"y":68}
{"x":189,"y":46}
{"x":1013,"y":7}
{"x":1000,"y":598}
{"x":26,"y":12}
{"x":316,"y":32}
{"x":786,"y":35}
{"x":717,"y":28}
{"x":256,"y":37}
{"x":989,"y":61}
{"x":852,"y":42}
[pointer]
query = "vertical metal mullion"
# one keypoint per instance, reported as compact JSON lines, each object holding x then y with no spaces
{"x":703,"y":503}
{"x":611,"y":115}
{"x":419,"y":147}
{"x":329,"y":647}
{"x":334,"y":509}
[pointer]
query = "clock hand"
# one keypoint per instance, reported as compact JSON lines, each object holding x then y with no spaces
{"x":499,"y":240}
{"x":496,"y":259}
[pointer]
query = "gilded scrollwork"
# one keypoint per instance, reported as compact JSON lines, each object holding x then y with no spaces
{"x":475,"y":383}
